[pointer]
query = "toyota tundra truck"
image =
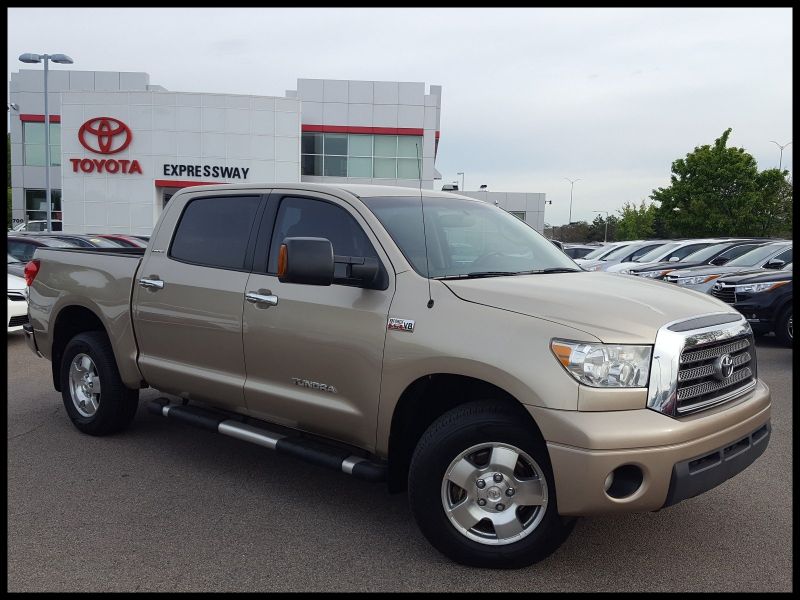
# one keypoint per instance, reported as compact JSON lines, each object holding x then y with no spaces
{"x":423,"y":339}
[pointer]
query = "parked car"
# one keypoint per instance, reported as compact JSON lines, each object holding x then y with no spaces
{"x":508,"y":391}
{"x":22,"y":247}
{"x":558,"y":244}
{"x":15,"y":266}
{"x":626,"y":253}
{"x":602,"y":252}
{"x":774,"y":255}
{"x":17,"y":293}
{"x":83,"y":240}
{"x":670,"y":252}
{"x":578,"y":250}
{"x":38,"y":226}
{"x":716,"y":254}
{"x":764,"y":298}
{"x":128,"y":241}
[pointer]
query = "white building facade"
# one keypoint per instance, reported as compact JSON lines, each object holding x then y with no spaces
{"x":120,"y":146}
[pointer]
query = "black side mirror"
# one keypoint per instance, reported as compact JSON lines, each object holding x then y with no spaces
{"x":775,"y":263}
{"x":306,"y":260}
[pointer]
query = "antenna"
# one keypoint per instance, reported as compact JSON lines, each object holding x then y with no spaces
{"x":424,"y":231}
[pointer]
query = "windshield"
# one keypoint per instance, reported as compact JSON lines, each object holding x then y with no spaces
{"x":619,"y":252}
{"x":656,"y":253}
{"x":755,"y":256}
{"x":706,"y":253}
{"x":465,"y":237}
{"x":99,"y":242}
{"x":599,"y":252}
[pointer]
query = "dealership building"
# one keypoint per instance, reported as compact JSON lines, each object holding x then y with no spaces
{"x":120,"y":146}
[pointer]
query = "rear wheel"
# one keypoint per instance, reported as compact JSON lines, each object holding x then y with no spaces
{"x":783,"y":328}
{"x":482,"y":491}
{"x":96,"y":400}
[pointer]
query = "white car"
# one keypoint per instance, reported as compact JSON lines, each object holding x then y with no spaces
{"x":671,"y":252}
{"x":17,"y":303}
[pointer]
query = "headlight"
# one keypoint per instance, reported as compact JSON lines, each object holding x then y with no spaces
{"x":647,"y":274}
{"x":595,"y":268}
{"x":624,"y":272}
{"x":604,"y":365}
{"x":695,"y":280}
{"x":754,"y":288}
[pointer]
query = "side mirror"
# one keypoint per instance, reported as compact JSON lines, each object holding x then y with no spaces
{"x":674,"y":258}
{"x":775,"y":263}
{"x":306,"y":260}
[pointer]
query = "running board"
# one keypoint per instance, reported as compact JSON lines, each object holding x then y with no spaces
{"x":310,"y":450}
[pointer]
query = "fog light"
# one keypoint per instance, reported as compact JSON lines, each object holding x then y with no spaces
{"x":625,"y":481}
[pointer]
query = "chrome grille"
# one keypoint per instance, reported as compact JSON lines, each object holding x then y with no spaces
{"x":724,"y":293}
{"x":699,"y":383}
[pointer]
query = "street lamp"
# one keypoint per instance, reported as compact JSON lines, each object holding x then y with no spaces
{"x":462,"y":180}
{"x":33,"y":59}
{"x":546,"y":202}
{"x":605,"y":237}
{"x":780,"y":161}
{"x":571,"y":185}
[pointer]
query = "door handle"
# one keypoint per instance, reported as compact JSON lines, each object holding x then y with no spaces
{"x":152,"y":284}
{"x":261,"y":299}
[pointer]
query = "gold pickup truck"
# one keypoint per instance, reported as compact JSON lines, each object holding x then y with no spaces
{"x":424,"y":339}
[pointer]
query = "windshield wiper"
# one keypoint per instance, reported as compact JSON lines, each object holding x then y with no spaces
{"x":550,"y":270}
{"x":479,"y":275}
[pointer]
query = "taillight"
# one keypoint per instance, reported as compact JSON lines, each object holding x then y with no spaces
{"x":31,"y":270}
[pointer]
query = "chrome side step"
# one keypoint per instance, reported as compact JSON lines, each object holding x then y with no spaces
{"x":314,"y":451}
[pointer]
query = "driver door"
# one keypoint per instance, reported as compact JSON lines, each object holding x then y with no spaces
{"x":314,"y":358}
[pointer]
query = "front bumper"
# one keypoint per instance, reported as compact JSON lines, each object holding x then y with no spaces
{"x":17,"y":314}
{"x":586,"y":447}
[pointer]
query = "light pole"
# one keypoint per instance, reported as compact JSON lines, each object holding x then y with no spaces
{"x":64,"y":60}
{"x":605,"y":237}
{"x":571,"y":185}
{"x":462,"y":180}
{"x":780,"y":161}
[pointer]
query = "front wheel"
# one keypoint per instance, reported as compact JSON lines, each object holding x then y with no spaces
{"x":97,"y":401}
{"x":481,"y":488}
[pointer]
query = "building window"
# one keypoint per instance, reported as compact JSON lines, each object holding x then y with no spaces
{"x":359,"y":155}
{"x":36,"y":205}
{"x":520,"y":215}
{"x":33,"y":140}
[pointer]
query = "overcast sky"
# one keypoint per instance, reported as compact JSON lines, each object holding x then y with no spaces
{"x":530,"y":96}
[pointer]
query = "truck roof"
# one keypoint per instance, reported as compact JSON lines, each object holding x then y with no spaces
{"x":361,"y":190}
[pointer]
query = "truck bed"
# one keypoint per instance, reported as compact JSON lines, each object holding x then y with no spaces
{"x":98,"y":279}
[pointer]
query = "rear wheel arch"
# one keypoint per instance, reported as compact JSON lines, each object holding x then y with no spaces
{"x":70,"y":321}
{"x":428,"y":398}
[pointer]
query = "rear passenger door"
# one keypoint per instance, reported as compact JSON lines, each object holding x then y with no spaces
{"x":314,"y":357}
{"x":189,"y":294}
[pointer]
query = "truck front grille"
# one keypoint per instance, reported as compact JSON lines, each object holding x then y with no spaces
{"x":724,"y":293}
{"x":701,"y":376}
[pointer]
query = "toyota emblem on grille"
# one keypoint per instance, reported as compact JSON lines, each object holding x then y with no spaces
{"x":723,"y":367}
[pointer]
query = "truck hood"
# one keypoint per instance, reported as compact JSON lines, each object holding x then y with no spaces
{"x":620,"y":309}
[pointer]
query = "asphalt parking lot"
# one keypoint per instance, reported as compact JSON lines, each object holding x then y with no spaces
{"x":166,"y":507}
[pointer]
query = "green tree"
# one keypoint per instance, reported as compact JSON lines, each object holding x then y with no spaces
{"x":635,"y":223}
{"x":718,"y":190}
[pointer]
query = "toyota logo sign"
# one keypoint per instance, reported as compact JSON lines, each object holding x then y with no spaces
{"x":723,"y":367}
{"x":105,"y":135}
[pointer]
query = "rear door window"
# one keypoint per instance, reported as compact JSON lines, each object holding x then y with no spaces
{"x":214,"y":232}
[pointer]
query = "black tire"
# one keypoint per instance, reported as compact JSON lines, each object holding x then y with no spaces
{"x":453,"y":433}
{"x":782,"y":327}
{"x":117,"y":404}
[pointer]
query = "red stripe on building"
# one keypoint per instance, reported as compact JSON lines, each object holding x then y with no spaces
{"x":356,"y":129}
{"x":177,"y":183}
{"x":39,"y":118}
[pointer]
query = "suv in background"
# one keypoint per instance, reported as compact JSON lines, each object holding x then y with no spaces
{"x":626,"y":253}
{"x":764,"y":297}
{"x":579,"y":250}
{"x":671,"y":252}
{"x":22,"y":247}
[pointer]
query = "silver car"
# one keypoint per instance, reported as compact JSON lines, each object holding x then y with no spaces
{"x":626,"y":253}
{"x":769,"y":256}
